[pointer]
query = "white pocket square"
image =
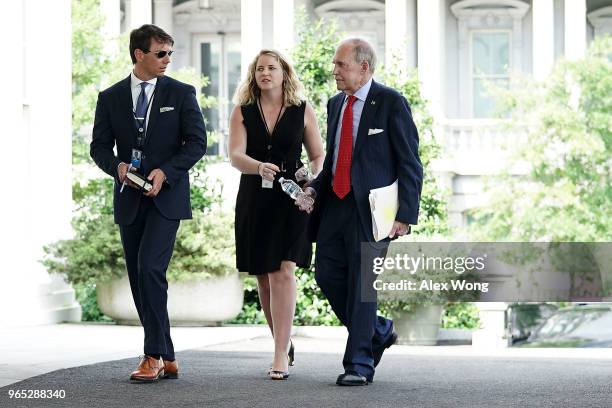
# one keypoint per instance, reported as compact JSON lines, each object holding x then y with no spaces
{"x":375,"y":131}
{"x":166,"y":109}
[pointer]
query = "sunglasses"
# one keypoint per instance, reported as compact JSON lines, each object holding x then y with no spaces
{"x":159,"y":54}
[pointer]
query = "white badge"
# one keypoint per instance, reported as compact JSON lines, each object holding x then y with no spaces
{"x":266,"y":183}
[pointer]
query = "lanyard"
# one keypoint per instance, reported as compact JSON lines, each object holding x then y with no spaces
{"x":141,"y":124}
{"x":263,"y":117}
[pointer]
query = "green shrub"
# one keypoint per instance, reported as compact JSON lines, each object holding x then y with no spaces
{"x":312,"y":308}
{"x":460,"y":316}
{"x":86,"y":296}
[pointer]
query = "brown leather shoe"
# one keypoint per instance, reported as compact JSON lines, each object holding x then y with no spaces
{"x":170,"y":370}
{"x":149,"y":370}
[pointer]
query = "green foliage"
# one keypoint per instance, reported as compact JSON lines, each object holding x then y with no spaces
{"x":311,"y":309}
{"x":251,"y":312}
{"x":566,"y":192}
{"x":95,"y":252}
{"x":460,"y":316}
{"x":205,"y":192}
{"x":312,"y":59}
{"x":204,"y":245}
{"x":88,"y":64}
{"x":86,"y":296}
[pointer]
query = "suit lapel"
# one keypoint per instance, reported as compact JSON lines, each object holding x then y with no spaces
{"x":335,"y":111}
{"x":127,"y":107}
{"x":367,"y":115}
{"x":160,"y":90}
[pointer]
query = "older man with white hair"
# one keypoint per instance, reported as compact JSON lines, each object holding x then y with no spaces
{"x":371,"y":142}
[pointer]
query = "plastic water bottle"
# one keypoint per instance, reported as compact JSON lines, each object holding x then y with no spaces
{"x":294,"y":191}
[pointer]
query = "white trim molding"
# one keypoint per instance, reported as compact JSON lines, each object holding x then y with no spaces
{"x":358,"y":18}
{"x":601,"y":20}
{"x":349,"y":5}
{"x":483,"y":15}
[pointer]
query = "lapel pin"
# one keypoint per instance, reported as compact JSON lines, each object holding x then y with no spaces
{"x":373,"y":102}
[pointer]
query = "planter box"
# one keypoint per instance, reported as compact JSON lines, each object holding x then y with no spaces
{"x":203,"y":302}
{"x":419,"y":327}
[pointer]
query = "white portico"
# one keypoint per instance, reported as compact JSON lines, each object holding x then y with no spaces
{"x":36,"y":203}
{"x":456,"y":46}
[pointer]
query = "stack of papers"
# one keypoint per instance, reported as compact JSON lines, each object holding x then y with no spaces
{"x":383,"y":205}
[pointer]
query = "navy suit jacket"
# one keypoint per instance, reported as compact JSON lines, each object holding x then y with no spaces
{"x":175,"y":141}
{"x":378,"y":159}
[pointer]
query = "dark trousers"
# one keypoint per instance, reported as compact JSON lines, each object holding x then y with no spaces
{"x":147,"y":244}
{"x":338,"y":273}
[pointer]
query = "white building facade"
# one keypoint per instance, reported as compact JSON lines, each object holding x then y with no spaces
{"x":457,"y":47}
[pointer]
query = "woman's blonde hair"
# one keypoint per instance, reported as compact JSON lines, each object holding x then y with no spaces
{"x":248,"y":92}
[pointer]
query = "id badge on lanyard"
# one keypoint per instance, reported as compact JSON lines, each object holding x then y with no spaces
{"x":136,"y":158}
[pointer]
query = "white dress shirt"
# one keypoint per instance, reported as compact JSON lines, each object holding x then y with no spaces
{"x":136,"y":88}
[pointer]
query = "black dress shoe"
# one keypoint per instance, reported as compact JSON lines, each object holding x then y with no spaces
{"x":379,"y":353}
{"x":351,"y":379}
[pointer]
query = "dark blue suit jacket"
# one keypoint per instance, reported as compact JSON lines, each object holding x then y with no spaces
{"x":175,"y":141}
{"x":378,"y":159}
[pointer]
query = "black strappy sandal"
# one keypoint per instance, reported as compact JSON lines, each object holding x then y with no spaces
{"x":291,"y":353}
{"x":290,"y":356}
{"x":278,"y":375}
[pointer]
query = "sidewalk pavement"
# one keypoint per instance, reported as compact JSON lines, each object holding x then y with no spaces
{"x":226,"y":366}
{"x":31,"y":351}
{"x":35,"y":350}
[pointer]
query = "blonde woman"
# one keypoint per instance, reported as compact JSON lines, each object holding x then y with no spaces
{"x":268,"y":127}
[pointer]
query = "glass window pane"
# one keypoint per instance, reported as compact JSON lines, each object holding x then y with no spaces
{"x":490,"y":53}
{"x":233,"y":70}
{"x":484,"y":101}
{"x":210,"y":68}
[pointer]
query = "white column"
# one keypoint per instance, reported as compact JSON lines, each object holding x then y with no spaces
{"x":492,"y":333}
{"x":265,"y":24}
{"x":396,"y":31}
{"x":411,"y":8}
{"x":36,"y":117}
{"x":283,"y":25}
{"x":400,"y":32}
{"x":50,"y":124}
{"x":543,"y":38}
{"x":163,"y":15}
{"x":430,"y":52}
{"x":12,"y":107}
{"x":140,"y":12}
{"x":251,"y":35}
{"x":575,"y":29}
{"x":111,"y":29}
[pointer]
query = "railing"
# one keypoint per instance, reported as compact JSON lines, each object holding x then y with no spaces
{"x":470,"y":136}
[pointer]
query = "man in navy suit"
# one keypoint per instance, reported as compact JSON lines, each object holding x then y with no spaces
{"x":157,"y":126}
{"x":371,"y":142}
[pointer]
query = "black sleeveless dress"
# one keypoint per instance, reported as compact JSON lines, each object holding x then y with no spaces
{"x":269,"y":227}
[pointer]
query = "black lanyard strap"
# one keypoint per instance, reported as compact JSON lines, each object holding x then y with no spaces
{"x":263,"y":117}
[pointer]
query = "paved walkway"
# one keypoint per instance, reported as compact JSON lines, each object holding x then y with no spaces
{"x":226,"y":367}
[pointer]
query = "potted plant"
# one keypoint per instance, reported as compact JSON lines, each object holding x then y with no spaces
{"x":417,"y":304}
{"x":204,"y":287}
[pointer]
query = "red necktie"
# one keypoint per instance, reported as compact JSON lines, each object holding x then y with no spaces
{"x":342,"y":178}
